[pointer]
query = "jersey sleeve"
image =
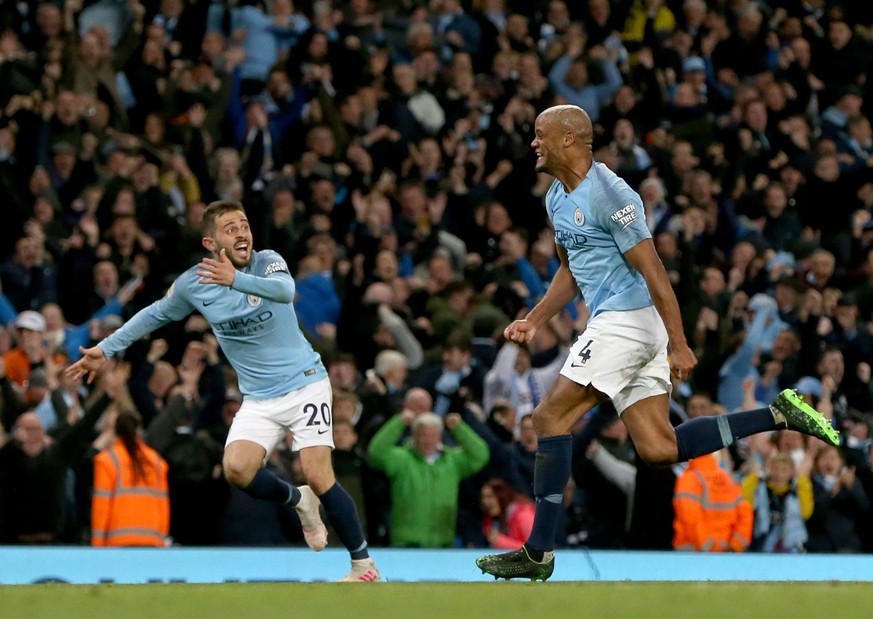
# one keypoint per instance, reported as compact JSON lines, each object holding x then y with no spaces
{"x":270,"y":279}
{"x":172,"y":306}
{"x":624,"y":218}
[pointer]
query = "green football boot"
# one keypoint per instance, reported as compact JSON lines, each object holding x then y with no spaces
{"x":517,"y":564}
{"x":800,"y":416}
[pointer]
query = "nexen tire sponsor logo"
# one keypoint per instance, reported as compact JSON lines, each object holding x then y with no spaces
{"x":625,"y":216}
{"x":276,"y":267}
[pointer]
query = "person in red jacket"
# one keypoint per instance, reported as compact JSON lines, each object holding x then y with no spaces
{"x":508,"y":515}
{"x":131,"y":504}
{"x":711,"y":514}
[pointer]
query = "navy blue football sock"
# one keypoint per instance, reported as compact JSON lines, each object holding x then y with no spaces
{"x":343,"y":516}
{"x":551,"y":472}
{"x":704,"y":435}
{"x":267,"y":487}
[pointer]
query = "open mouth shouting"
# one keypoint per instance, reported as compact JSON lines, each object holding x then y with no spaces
{"x":242,"y":250}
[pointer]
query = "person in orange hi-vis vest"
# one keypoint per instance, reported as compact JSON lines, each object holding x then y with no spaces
{"x":711,"y":514}
{"x":130,"y":505}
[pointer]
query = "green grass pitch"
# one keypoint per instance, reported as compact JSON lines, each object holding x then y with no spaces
{"x":501,"y":600}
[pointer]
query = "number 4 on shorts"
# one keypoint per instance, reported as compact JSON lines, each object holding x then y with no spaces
{"x":584,"y":354}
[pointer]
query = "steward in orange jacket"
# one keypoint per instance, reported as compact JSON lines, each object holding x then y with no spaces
{"x":130,"y":505}
{"x":711,"y":514}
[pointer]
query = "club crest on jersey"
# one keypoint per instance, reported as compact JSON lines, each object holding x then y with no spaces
{"x":625,"y":216}
{"x":253,"y":300}
{"x":578,"y":217}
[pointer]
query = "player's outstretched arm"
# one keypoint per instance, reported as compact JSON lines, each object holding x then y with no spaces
{"x":644,"y":259}
{"x":560,"y":292}
{"x":172,"y":306}
{"x":91,"y":361}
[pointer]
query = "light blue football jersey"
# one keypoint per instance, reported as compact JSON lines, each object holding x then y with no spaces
{"x":597,"y":223}
{"x":259,"y":336}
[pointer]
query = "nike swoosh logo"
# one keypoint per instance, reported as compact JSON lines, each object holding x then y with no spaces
{"x":323,"y":431}
{"x":208,"y":303}
{"x":573,"y":365}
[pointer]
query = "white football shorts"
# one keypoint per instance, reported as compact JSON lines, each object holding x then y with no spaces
{"x":623,"y":355}
{"x":306,"y":413}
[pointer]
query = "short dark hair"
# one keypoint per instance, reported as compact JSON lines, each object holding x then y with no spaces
{"x":343,"y":357}
{"x":458,"y":339}
{"x":217,"y":209}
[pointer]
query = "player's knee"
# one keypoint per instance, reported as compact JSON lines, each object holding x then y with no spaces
{"x":659,"y":455}
{"x":317,"y":468}
{"x":238,"y":472}
{"x":544,"y":422}
{"x":539,"y":422}
{"x":321,"y":483}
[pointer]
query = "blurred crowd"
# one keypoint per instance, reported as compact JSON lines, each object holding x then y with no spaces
{"x":382,"y":148}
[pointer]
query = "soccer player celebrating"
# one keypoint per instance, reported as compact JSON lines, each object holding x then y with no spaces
{"x":247,"y":298}
{"x":607,"y":254}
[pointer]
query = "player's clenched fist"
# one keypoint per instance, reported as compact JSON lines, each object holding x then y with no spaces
{"x":520,"y":331}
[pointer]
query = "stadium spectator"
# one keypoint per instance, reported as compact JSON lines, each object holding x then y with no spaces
{"x":607,"y":478}
{"x":425,"y":475}
{"x":179,"y":432}
{"x":711,"y":513}
{"x":570,"y":78}
{"x":27,"y":280}
{"x":508,"y":515}
{"x":33,"y":470}
{"x":840,"y":503}
{"x":782,"y":502}
{"x":131,"y":503}
{"x":32,"y":350}
{"x":456,"y":379}
{"x":512,"y":378}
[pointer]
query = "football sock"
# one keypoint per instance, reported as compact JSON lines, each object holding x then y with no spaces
{"x":703,"y":435}
{"x":551,"y":472}
{"x":267,"y":487}
{"x":343,"y":517}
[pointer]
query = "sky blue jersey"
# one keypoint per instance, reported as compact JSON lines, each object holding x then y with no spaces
{"x":254,"y":322}
{"x":597,"y":223}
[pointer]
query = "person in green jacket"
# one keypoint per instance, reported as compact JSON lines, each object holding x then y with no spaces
{"x":425,"y":475}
